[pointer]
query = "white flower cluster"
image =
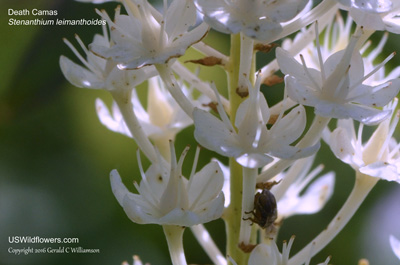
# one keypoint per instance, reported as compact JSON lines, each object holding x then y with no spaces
{"x":270,"y":176}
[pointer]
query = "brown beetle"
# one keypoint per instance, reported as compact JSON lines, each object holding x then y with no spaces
{"x":265,"y":210}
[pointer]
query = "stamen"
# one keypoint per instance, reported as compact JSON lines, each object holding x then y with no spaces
{"x":83,"y":60}
{"x":338,"y":88}
{"x":182,"y":158}
{"x":221,"y":110}
{"x":196,"y":159}
{"x":320,"y":61}
{"x":379,"y":66}
{"x":173,"y":158}
{"x":359,"y":139}
{"x":300,"y":186}
{"x":149,"y":195}
{"x":87,"y":52}
{"x":105,"y":32}
{"x":392,"y":127}
{"x":378,"y":49}
{"x":307,"y":72}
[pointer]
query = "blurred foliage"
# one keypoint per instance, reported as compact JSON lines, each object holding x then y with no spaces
{"x":55,"y":158}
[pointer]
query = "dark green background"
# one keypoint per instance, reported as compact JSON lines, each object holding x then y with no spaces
{"x":55,"y":158}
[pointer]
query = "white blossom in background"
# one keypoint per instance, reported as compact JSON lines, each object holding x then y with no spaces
{"x":163,"y":118}
{"x":167,"y":198}
{"x":374,"y":14}
{"x":379,"y":157}
{"x":98,"y":1}
{"x":337,"y":38}
{"x":336,"y":90}
{"x":395,"y":245}
{"x":301,"y":200}
{"x":141,"y":39}
{"x":136,"y":261}
{"x":256,"y":19}
{"x":253,"y":145}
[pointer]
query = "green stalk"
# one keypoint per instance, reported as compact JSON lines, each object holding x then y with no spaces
{"x":233,"y":213}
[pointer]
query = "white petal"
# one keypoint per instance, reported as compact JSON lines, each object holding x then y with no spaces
{"x":368,"y":116}
{"x":128,"y":79}
{"x":212,"y":133}
{"x":139,"y":211}
{"x":79,"y":76}
{"x":288,"y":65}
{"x":262,"y":29}
{"x":292,"y":152}
{"x":178,"y":216}
{"x":290,"y":127}
{"x":264,"y":254}
{"x":212,"y":210}
{"x":366,"y":19}
{"x":364,"y":114}
{"x":157,"y":176}
{"x":393,"y":25}
{"x":285,"y":10}
{"x":356,"y":70}
{"x":248,"y":103}
{"x":300,"y":93}
{"x":254,"y":160}
{"x":382,"y":170}
{"x":124,"y":52}
{"x":129,"y":29}
{"x":381,"y":97}
{"x":395,"y":245}
{"x":181,"y":15}
{"x":114,"y":123}
{"x":205,"y":185}
{"x":341,"y":146}
{"x":219,"y":16}
{"x":117,"y":187}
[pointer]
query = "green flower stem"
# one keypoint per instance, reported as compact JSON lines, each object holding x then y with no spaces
{"x":168,"y":77}
{"x":362,"y":187}
{"x":123,"y":100}
{"x":246,"y":55}
{"x":312,"y":136}
{"x":249,"y":186}
{"x":174,"y":235}
{"x":233,"y":213}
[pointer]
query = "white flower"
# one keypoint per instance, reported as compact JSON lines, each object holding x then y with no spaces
{"x":298,"y":199}
{"x":136,"y":261}
{"x":253,"y":145}
{"x":395,"y":245}
{"x":374,"y":14}
{"x":268,"y":254}
{"x":143,"y":38}
{"x":100,"y":73}
{"x":379,"y":157}
{"x":167,"y":198}
{"x":255,"y":18}
{"x":337,"y":89}
{"x":163,"y":118}
{"x":97,"y":1}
